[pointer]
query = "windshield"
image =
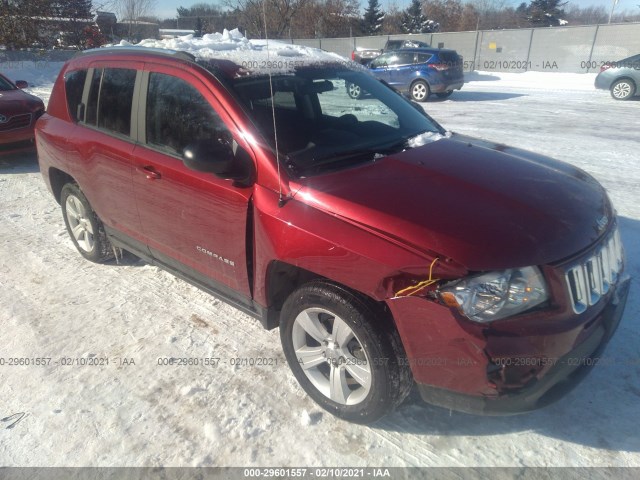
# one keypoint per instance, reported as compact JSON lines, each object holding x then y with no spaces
{"x":332,"y":118}
{"x":5,"y":85}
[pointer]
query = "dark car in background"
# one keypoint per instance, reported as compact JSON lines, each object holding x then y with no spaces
{"x":18,"y":112}
{"x":621,"y":78}
{"x":418,"y":72}
{"x":365,"y":55}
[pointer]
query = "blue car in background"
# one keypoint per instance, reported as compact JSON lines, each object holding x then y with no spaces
{"x":418,"y":72}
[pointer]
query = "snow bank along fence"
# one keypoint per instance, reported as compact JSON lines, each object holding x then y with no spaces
{"x":36,"y":59}
{"x":557,"y":49}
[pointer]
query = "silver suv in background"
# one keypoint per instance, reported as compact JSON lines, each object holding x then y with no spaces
{"x":622,"y":78}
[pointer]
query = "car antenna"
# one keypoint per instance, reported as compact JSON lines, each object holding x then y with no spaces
{"x":281,"y":199}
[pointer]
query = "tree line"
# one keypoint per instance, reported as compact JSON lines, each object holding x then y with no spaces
{"x":343,"y":18}
{"x":31,"y":23}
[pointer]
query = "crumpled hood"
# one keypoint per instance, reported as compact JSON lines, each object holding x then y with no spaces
{"x":483,"y":205}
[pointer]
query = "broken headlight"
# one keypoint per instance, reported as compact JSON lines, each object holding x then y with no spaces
{"x":495,"y":295}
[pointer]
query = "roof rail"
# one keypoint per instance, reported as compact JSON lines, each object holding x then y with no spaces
{"x":133,"y":49}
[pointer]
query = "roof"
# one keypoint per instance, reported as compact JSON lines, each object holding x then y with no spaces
{"x":136,"y":50}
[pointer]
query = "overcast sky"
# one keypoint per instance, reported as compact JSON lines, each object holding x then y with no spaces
{"x":167,"y":8}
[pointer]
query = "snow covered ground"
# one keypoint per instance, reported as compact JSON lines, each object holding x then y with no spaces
{"x":135,"y":411}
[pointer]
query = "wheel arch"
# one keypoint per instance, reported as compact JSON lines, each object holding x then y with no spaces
{"x":628,"y":79}
{"x":58,"y":179}
{"x":284,"y":278}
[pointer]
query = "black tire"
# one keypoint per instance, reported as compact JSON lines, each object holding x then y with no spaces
{"x":444,"y":94}
{"x":420,"y":91}
{"x":623,"y":89}
{"x":354,"y":91}
{"x":356,"y":340}
{"x":83,"y":225}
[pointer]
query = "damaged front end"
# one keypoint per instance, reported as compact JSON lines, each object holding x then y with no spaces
{"x":507,"y":342}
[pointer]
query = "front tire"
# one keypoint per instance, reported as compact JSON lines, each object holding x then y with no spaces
{"x":623,"y":89}
{"x":343,"y":354}
{"x":83,"y":225}
{"x":420,"y":91}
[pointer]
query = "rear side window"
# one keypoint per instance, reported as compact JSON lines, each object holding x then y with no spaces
{"x":423,"y":57}
{"x":74,"y":85}
{"x":110,"y":99}
{"x":178,"y":115}
{"x":401,"y":58}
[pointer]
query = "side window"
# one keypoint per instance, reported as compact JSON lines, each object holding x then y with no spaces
{"x":381,"y":61}
{"x":401,"y":58}
{"x":91,"y":116}
{"x":178,"y":115}
{"x":116,"y":98}
{"x":423,"y":57}
{"x":110,"y":99}
{"x":74,"y":85}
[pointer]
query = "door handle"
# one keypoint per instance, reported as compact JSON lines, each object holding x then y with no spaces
{"x":150,"y":172}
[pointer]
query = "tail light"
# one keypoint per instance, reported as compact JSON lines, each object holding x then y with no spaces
{"x":604,"y":67}
{"x":353,"y":54}
{"x":440,"y":66}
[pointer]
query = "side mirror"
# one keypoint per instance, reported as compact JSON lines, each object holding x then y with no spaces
{"x":219,"y":158}
{"x":21,"y":84}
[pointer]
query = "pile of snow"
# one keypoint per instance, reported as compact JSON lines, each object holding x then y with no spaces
{"x":263,"y":55}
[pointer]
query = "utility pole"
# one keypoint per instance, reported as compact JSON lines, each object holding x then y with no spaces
{"x":613,"y":6}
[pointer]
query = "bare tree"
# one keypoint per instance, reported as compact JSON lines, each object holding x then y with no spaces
{"x":278,"y":14}
{"x":445,"y":12}
{"x":132,"y":11}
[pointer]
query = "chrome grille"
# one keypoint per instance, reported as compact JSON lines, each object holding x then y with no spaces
{"x":590,"y":280}
{"x":17,"y":121}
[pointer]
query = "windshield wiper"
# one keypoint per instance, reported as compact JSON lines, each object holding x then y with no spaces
{"x":370,"y":152}
{"x":367,"y":153}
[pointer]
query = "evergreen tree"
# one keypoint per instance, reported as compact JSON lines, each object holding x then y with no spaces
{"x":414,"y":21}
{"x":72,"y":9}
{"x":546,"y":13}
{"x":75,"y":16}
{"x":17,"y":27}
{"x":373,"y":17}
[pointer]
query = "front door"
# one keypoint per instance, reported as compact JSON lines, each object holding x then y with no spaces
{"x":193,"y":221}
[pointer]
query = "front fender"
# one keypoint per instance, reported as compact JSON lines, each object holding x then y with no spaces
{"x":329,"y":246}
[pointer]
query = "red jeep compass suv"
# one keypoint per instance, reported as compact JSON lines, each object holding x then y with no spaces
{"x":388,"y":251}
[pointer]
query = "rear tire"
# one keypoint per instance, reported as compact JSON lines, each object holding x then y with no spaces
{"x":344,"y":355}
{"x":623,"y":89}
{"x":83,"y":225}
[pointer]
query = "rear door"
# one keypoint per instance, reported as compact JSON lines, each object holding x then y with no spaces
{"x":103,"y":145}
{"x":192,"y":221}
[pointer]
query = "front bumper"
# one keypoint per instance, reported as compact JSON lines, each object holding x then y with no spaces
{"x":603,"y":82}
{"x":461,"y":366}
